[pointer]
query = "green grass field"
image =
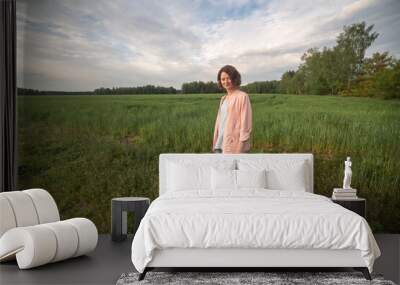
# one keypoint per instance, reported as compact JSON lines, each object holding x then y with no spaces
{"x":86,"y":150}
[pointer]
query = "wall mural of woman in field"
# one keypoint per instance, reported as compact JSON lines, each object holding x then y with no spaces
{"x":233,"y":125}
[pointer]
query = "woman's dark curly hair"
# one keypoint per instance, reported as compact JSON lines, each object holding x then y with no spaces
{"x":234,"y":75}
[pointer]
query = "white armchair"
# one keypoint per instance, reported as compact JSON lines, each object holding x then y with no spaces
{"x":31,"y":230}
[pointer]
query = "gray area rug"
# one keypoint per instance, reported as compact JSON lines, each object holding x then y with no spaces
{"x":225,"y":278}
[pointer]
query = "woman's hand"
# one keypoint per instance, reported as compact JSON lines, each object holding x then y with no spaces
{"x":244,"y":146}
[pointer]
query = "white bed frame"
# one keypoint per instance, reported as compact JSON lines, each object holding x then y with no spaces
{"x":242,"y":258}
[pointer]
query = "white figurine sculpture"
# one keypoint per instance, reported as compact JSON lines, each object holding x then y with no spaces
{"x":347,"y":174}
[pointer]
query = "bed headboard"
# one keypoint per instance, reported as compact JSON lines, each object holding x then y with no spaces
{"x":164,"y":157}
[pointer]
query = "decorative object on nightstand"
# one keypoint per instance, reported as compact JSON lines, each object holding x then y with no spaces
{"x":357,"y":205}
{"x":347,"y":174}
{"x":345,"y":193}
{"x":119,"y":208}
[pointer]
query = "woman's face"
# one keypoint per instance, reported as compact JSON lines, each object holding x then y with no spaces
{"x":226,"y":81}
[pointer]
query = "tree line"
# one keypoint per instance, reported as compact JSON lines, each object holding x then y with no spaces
{"x":344,"y":69}
{"x":195,"y":87}
{"x":35,"y":92}
{"x":340,"y":70}
{"x":147,"y":89}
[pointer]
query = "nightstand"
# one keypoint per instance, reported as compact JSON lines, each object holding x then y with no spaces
{"x":119,"y":208}
{"x":357,"y":205}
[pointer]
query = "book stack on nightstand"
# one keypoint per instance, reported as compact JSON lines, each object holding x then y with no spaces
{"x":344,"y":194}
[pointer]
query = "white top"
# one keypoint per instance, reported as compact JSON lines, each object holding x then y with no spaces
{"x":223,"y":114}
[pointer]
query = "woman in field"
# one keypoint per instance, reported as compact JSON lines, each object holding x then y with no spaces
{"x":234,"y":119}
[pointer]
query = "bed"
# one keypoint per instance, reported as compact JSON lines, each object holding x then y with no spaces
{"x":247,"y":210}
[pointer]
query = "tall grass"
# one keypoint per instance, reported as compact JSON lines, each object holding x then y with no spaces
{"x":86,"y":150}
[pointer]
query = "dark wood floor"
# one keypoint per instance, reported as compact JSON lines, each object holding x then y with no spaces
{"x":110,"y":260}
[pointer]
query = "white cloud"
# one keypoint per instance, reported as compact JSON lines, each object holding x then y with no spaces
{"x":352,"y":8}
{"x":75,"y":45}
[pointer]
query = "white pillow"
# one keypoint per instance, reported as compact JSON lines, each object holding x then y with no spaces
{"x":189,"y":175}
{"x":223,"y":179}
{"x":183,"y":177}
{"x":281,"y":174}
{"x":251,"y":178}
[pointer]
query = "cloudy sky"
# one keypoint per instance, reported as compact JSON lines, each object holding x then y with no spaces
{"x":77,"y":45}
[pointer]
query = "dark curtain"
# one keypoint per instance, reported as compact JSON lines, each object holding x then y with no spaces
{"x":8,"y":92}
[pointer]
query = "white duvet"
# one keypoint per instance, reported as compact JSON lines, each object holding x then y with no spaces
{"x":252,"y":218}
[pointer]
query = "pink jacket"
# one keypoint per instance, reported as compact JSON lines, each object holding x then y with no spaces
{"x":238,"y":123}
